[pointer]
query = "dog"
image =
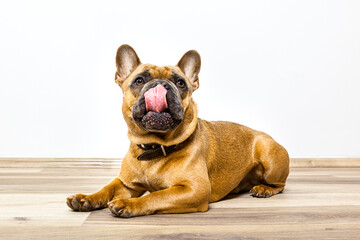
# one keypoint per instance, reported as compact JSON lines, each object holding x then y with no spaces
{"x":184,"y":162}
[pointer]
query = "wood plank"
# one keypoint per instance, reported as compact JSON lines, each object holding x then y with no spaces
{"x":238,"y":216}
{"x":35,"y":209}
{"x":60,"y":162}
{"x":325,"y":162}
{"x":228,"y":232}
{"x":116,"y":162}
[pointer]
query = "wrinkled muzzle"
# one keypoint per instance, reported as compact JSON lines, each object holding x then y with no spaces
{"x":158,"y":108}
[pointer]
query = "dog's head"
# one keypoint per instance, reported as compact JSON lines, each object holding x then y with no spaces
{"x":157,"y":100}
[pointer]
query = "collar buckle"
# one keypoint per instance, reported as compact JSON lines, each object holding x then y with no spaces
{"x":163,"y":150}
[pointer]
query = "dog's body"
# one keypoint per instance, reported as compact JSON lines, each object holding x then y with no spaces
{"x":183,"y":161}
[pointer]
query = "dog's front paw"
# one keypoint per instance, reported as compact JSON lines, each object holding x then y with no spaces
{"x":82,"y":203}
{"x":125,"y":208}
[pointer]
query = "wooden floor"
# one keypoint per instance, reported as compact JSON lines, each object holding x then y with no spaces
{"x":318,"y":203}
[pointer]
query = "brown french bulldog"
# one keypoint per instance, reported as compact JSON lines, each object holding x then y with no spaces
{"x":183,"y":161}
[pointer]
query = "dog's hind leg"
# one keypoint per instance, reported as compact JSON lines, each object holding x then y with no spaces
{"x":275,"y":162}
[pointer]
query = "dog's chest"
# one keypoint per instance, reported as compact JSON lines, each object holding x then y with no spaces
{"x":156,"y":176}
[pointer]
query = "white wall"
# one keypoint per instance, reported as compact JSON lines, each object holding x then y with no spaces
{"x":289,"y":68}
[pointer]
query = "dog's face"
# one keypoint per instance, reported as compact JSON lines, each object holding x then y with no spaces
{"x":156,"y":99}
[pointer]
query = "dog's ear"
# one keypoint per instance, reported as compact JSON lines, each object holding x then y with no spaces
{"x":190,"y":65}
{"x":126,"y":62}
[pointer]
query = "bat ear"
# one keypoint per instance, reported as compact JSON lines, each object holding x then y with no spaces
{"x":190,"y":65}
{"x":126,"y":61}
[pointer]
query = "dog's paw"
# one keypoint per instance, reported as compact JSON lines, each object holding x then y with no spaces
{"x":124,"y":208}
{"x":264,"y":191}
{"x":82,"y":203}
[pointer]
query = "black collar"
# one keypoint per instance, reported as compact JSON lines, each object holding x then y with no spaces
{"x":152,"y":151}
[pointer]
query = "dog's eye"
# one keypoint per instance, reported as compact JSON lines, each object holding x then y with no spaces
{"x":139,"y":81}
{"x":180,"y":83}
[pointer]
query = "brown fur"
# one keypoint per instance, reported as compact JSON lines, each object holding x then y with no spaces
{"x":218,"y":158}
{"x":160,"y":72}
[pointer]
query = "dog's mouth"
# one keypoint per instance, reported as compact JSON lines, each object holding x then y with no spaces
{"x":158,"y":110}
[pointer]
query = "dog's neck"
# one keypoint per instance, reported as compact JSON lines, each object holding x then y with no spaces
{"x":154,"y":151}
{"x":179,"y":135}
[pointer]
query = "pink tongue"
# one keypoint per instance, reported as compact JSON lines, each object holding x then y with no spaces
{"x":155,"y":99}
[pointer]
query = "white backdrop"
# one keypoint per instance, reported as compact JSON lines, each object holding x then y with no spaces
{"x":288,"y":68}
